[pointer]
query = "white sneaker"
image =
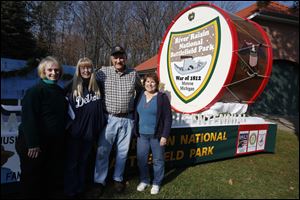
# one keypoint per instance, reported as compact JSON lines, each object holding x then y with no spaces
{"x":142,"y":186}
{"x":155,"y":189}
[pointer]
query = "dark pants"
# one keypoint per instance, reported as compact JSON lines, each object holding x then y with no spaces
{"x":41,"y":176}
{"x":78,"y":151}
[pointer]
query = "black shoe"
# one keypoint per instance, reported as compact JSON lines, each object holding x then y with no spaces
{"x":119,"y":186}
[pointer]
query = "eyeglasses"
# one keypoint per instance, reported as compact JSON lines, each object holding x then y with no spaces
{"x":90,"y":69}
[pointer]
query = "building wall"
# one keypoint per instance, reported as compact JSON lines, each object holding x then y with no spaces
{"x":281,"y":95}
{"x":284,"y":38}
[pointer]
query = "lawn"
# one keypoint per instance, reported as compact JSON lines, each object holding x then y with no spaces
{"x":262,"y":176}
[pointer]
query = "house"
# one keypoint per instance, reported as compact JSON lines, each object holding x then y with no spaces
{"x":147,"y":66}
{"x":281,"y":25}
{"x":281,"y":95}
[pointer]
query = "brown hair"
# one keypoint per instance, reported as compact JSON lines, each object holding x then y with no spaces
{"x":154,"y":77}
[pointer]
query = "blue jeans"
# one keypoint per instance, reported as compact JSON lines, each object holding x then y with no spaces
{"x":117,"y":130}
{"x":144,"y":143}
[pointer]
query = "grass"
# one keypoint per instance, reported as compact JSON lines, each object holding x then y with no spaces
{"x":262,"y":176}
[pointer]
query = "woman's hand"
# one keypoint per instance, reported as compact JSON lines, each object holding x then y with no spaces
{"x":163,"y":141}
{"x":34,"y":152}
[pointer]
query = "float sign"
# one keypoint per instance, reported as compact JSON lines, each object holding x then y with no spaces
{"x":195,"y":58}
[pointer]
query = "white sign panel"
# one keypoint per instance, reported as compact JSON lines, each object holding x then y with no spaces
{"x":195,"y":58}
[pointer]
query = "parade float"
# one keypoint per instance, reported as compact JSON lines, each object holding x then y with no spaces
{"x":213,"y":65}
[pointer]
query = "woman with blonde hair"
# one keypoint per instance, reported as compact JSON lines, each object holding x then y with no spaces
{"x":40,"y":144}
{"x":84,"y":97}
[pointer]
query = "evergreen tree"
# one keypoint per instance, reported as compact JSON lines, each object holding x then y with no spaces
{"x":16,"y":39}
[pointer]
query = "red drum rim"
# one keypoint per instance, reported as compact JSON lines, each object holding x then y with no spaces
{"x":269,"y":62}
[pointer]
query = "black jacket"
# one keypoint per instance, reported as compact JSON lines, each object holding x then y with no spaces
{"x":44,"y":111}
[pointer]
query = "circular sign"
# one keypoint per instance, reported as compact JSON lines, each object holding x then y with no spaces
{"x":198,"y":58}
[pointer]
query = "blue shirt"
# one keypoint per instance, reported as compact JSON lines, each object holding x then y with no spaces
{"x":147,"y":113}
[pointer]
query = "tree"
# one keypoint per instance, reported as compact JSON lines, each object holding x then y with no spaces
{"x":16,"y":39}
{"x":44,"y":15}
{"x":151,"y":19}
{"x":229,"y":6}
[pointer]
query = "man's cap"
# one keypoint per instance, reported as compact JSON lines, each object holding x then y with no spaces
{"x":117,"y":50}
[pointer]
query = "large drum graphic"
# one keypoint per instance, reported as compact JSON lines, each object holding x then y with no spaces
{"x":208,"y":55}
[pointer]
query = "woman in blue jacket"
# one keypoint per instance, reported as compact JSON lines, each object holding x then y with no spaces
{"x":153,"y":120}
